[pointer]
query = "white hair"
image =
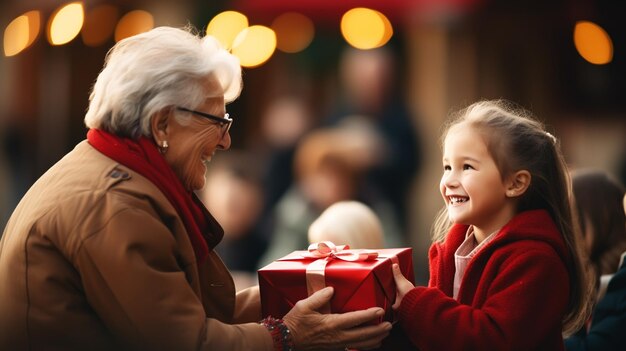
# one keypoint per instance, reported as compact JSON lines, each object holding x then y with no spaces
{"x":348,"y":222}
{"x":161,"y":68}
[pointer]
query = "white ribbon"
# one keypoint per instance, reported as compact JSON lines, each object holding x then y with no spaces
{"x":326,"y":251}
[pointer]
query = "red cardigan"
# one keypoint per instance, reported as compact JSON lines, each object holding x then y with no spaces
{"x":513,"y":295}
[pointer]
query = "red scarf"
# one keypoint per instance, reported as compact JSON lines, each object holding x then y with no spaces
{"x":143,"y":157}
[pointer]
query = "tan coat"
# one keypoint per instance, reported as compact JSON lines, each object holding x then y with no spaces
{"x":95,"y":257}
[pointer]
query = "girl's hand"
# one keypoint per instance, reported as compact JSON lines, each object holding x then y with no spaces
{"x":403,"y":285}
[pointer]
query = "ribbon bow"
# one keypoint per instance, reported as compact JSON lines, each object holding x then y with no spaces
{"x":326,"y":251}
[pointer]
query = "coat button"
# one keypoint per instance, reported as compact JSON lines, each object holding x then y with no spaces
{"x":116,"y":173}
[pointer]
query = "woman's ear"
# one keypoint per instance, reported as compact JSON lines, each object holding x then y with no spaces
{"x":159,"y":125}
{"x":518,"y":183}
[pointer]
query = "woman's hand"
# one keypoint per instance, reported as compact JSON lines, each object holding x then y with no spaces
{"x":403,"y":285}
{"x":312,"y":330}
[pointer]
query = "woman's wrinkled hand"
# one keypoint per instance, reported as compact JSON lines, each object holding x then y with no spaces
{"x":403,"y":285}
{"x":312,"y":330}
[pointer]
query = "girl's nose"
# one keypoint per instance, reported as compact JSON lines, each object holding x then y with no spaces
{"x":449,"y":180}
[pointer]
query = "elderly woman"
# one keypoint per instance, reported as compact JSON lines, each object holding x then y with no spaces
{"x":110,"y":249}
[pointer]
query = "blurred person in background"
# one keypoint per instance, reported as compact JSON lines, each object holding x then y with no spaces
{"x":329,"y":165}
{"x":14,"y":175}
{"x":350,"y":223}
{"x":601,"y":206}
{"x":284,"y":123}
{"x":598,"y":198}
{"x":5,"y":189}
{"x":373,"y":96}
{"x":234,"y":195}
{"x":111,"y":249}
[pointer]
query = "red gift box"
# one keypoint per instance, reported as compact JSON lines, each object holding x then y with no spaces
{"x":358,"y":284}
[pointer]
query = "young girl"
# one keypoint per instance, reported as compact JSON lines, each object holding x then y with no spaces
{"x":508,"y":274}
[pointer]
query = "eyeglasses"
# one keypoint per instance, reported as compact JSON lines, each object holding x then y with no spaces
{"x":224,"y":123}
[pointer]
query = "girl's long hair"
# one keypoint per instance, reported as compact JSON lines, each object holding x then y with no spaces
{"x":517,"y":141}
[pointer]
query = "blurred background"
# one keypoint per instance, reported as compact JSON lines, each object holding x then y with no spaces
{"x":341,"y":99}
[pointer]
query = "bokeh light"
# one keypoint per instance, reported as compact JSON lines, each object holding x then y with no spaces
{"x":294,"y":32}
{"x":225,"y":27}
{"x":388,"y":29}
{"x":254,"y":45}
{"x":21,"y":33}
{"x":99,"y":24}
{"x":365,"y":28}
{"x":593,"y":43}
{"x":133,"y":23}
{"x":65,"y":23}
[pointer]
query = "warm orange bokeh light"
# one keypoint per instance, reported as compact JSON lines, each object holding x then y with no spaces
{"x":254,"y":45}
{"x":65,"y":24}
{"x":226,"y":26}
{"x":388,"y":29}
{"x":99,"y":24}
{"x":365,"y":28}
{"x":133,"y":23}
{"x":294,"y":32}
{"x":593,"y":43}
{"x":21,"y":33}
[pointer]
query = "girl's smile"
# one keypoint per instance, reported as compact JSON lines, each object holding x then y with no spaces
{"x":472,"y":186}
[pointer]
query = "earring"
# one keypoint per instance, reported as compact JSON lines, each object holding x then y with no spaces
{"x":163,"y":147}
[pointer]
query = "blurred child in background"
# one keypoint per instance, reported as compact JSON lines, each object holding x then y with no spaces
{"x":372,"y":92}
{"x":601,"y":206}
{"x":348,"y":223}
{"x":329,"y":165}
{"x":234,"y":195}
{"x":598,"y":198}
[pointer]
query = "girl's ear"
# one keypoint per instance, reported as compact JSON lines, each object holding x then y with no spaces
{"x":518,"y":183}
{"x":159,"y":125}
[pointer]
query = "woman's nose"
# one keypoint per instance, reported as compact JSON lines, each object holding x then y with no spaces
{"x":225,"y":142}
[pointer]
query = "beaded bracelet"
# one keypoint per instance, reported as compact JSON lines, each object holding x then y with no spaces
{"x":281,"y":335}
